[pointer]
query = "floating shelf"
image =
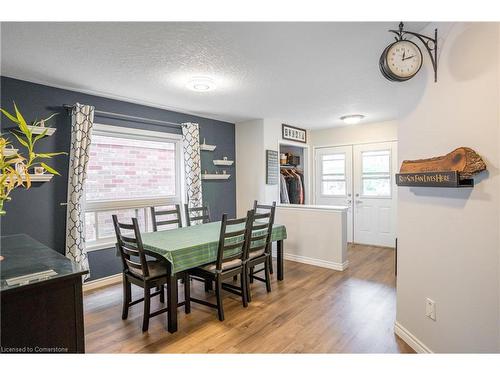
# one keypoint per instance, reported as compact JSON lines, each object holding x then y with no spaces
{"x":208,"y":176}
{"x":434,"y":179}
{"x":223,"y":162}
{"x":39,"y":177}
{"x":8,"y":152}
{"x":205,"y":147}
{"x":40,"y":130}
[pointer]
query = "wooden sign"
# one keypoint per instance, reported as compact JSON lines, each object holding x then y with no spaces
{"x":454,"y":169}
{"x":272,"y":163}
{"x":463,"y":160}
{"x":433,"y":179}
{"x":292,"y":133}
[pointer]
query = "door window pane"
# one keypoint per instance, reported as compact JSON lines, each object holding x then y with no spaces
{"x":376,"y":161}
{"x":377,"y":187}
{"x":334,"y":187}
{"x":333,"y":174}
{"x":334,"y":164}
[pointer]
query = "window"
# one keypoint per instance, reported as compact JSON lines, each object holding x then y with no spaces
{"x":376,"y":173}
{"x":129,"y":171}
{"x":333,"y":178}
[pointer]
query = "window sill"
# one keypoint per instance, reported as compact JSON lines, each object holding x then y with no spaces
{"x":100,"y":246}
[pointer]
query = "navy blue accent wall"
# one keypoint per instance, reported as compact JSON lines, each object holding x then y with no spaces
{"x":38,"y":212}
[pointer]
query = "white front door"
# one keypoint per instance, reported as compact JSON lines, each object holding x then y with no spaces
{"x":333,"y":180}
{"x":375,"y":193}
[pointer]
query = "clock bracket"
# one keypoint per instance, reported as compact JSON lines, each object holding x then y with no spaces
{"x":430,"y":44}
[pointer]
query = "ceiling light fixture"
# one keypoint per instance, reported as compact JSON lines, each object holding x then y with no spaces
{"x":201,"y":84}
{"x":352,"y":119}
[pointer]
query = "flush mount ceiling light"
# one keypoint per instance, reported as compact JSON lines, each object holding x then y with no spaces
{"x":201,"y":84}
{"x":352,"y":119}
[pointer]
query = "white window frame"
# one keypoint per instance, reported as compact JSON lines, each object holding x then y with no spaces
{"x":322,"y":193}
{"x":377,"y":176}
{"x":108,"y":205}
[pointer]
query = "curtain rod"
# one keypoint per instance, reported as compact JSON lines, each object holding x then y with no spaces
{"x":128,"y":117}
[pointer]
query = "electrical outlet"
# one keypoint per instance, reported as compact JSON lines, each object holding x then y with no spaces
{"x":430,"y":309}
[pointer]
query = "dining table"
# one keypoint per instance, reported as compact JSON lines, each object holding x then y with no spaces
{"x":193,"y":246}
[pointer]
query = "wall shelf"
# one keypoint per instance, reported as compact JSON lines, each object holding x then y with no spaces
{"x":223,"y":162}
{"x":46,"y":177}
{"x":205,"y":147}
{"x":210,"y":176}
{"x":40,"y":130}
{"x":8,"y":152}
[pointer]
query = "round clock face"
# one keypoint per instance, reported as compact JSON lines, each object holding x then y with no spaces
{"x":403,"y":59}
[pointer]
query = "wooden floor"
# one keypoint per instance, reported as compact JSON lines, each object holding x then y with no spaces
{"x":314,"y":310}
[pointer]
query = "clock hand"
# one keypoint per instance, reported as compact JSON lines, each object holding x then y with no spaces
{"x":404,"y":53}
{"x":409,"y":57}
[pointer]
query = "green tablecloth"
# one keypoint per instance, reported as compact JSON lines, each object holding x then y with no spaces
{"x":194,"y":246}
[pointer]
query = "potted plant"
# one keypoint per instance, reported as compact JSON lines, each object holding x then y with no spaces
{"x":14,"y":166}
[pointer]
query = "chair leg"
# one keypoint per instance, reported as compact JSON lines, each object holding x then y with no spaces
{"x":247,"y":281}
{"x":271,"y":271}
{"x":243,"y":285}
{"x":127,"y":295}
{"x":218,"y":294}
{"x":162,"y":293}
{"x":147,"y":305}
{"x":235,"y":278}
{"x":268,"y":276}
{"x":250,"y":278}
{"x":187,"y":294}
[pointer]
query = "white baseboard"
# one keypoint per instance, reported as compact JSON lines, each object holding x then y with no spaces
{"x":100,"y":283}
{"x":317,"y":262}
{"x":410,"y":339}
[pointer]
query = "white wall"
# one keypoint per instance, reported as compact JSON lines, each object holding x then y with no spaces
{"x":253,"y":138}
{"x":360,"y":133}
{"x":448,"y":239}
{"x":250,"y":157}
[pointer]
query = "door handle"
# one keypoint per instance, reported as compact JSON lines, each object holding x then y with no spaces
{"x":348,"y":201}
{"x":359,"y":202}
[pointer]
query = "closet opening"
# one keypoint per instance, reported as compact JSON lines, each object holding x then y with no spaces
{"x":294,"y":175}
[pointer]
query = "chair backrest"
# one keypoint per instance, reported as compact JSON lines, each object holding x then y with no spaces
{"x":157,"y":221}
{"x":130,"y":247}
{"x":234,"y":234}
{"x":258,"y":208}
{"x":196,"y":214}
{"x":261,"y":229}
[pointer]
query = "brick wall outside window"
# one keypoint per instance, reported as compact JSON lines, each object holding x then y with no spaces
{"x":121,"y":169}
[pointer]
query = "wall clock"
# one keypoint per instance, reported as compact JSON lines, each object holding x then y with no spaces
{"x":402,"y":59}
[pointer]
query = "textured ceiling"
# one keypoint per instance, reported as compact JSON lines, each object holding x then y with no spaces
{"x":307,"y":74}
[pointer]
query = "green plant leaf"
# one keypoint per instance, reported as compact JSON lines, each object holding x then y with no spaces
{"x":41,"y":135}
{"x":50,"y":169}
{"x":11,"y":118}
{"x":21,"y":141}
{"x":22,"y":122}
{"x":49,"y":155}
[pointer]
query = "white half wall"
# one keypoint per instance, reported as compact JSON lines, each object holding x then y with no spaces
{"x":355,"y":134}
{"x":448,"y":239}
{"x":316,"y":235}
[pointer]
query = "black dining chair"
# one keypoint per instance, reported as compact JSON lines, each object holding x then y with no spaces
{"x":259,"y":248}
{"x":262,"y":208}
{"x":173,"y":217}
{"x":196,"y":214}
{"x":231,"y":255}
{"x":139,"y":271}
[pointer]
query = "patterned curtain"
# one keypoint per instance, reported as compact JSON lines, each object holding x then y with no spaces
{"x":82,"y":119}
{"x":192,"y":163}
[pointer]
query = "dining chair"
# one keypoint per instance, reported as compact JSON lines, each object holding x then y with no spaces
{"x":262,"y":208}
{"x":259,"y":248}
{"x":196,"y":214}
{"x":140,"y":271}
{"x":231,"y":255}
{"x":157,"y":221}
